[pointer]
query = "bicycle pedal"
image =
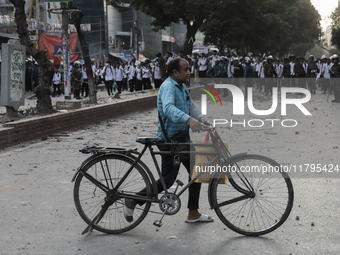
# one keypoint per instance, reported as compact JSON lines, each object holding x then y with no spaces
{"x":179,"y":182}
{"x":158,"y":223}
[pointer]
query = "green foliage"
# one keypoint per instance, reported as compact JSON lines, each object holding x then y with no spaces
{"x":262,"y":25}
{"x":249,"y":25}
{"x":191,"y":12}
{"x":150,"y":52}
{"x":335,"y":40}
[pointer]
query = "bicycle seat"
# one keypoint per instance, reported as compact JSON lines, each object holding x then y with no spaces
{"x":152,"y":140}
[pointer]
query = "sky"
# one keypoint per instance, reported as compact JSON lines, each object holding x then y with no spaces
{"x":325,"y":8}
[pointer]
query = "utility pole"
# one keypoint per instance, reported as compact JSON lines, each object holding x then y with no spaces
{"x":65,"y":42}
{"x":137,"y":33}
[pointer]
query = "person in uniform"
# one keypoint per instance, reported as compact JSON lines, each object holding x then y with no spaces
{"x":335,"y":82}
{"x":237,"y":72}
{"x":286,"y":73}
{"x":139,"y":78}
{"x":279,"y":71}
{"x":157,"y":75}
{"x":248,"y":75}
{"x":56,"y":83}
{"x":299,"y":73}
{"x":269,"y":72}
{"x":132,"y":76}
{"x":162,"y":66}
{"x":323,"y":67}
{"x":326,"y":75}
{"x":76,"y":80}
{"x":312,"y":70}
{"x":169,"y":57}
{"x":109,"y":76}
{"x":202,"y":66}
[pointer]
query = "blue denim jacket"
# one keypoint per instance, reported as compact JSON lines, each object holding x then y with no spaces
{"x":175,"y":107}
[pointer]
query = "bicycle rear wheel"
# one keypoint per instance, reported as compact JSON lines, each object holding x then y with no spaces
{"x":265,"y":209}
{"x":101,"y":207}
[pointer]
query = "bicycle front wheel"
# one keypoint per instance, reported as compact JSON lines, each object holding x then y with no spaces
{"x":267,"y":207}
{"x":101,"y":207}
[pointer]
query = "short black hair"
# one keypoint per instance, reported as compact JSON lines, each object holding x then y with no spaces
{"x":175,"y":64}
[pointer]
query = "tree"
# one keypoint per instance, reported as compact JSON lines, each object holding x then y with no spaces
{"x":335,"y":40}
{"x":43,"y":93}
{"x":76,"y":17}
{"x":191,"y":12}
{"x":263,"y":25}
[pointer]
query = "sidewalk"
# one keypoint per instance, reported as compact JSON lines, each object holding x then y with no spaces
{"x":102,"y":96}
{"x":35,"y":126}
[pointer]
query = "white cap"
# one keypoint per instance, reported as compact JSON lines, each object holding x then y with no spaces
{"x":270,"y":57}
{"x":323,"y":56}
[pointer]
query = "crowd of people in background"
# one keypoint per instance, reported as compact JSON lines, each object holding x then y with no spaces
{"x":267,"y":72}
{"x":250,"y":71}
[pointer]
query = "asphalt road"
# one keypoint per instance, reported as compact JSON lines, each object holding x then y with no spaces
{"x":38,"y":215}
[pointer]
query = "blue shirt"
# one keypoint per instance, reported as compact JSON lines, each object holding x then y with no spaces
{"x":175,"y":107}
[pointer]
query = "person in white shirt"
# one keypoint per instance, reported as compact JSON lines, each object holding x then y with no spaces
{"x":139,"y":78}
{"x":56,"y":82}
{"x":109,"y":76}
{"x":119,"y":77}
{"x":257,"y":72}
{"x":85,"y":84}
{"x":168,"y":57}
{"x":326,"y":67}
{"x":202,"y":66}
{"x":279,"y":71}
{"x":261,"y":76}
{"x":99,"y":75}
{"x":292,"y":64}
{"x":94,"y":69}
{"x":157,"y":75}
{"x":146,"y":74}
{"x":131,"y":73}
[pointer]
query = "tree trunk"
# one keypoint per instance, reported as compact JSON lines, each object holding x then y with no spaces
{"x":43,"y":93}
{"x":190,"y":37}
{"x":76,"y":18}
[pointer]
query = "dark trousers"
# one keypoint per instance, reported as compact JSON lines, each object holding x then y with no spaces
{"x":325,"y":84}
{"x":202,"y":74}
{"x":119,"y":86}
{"x":55,"y":87}
{"x":132,"y":85}
{"x":85,"y":88}
{"x":146,"y":83}
{"x":248,"y":83}
{"x":170,"y":172}
{"x":158,"y":83}
{"x":109,"y":86}
{"x":124,"y":84}
{"x":138,"y":85}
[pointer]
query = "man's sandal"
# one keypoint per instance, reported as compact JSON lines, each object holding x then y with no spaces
{"x":202,"y":218}
{"x":128,"y":212}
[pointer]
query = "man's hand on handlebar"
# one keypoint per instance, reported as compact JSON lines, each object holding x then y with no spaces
{"x":194,"y":124}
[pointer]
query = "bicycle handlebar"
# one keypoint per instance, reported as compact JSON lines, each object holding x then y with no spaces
{"x":207,"y":126}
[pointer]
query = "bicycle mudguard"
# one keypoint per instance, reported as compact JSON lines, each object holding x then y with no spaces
{"x":99,"y":151}
{"x":232,"y":158}
{"x":82,"y":165}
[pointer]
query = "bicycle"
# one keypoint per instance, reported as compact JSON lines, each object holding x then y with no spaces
{"x":251,"y":203}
